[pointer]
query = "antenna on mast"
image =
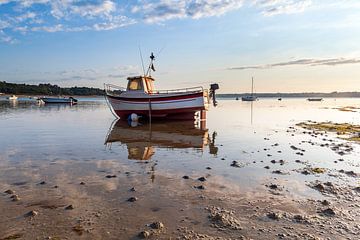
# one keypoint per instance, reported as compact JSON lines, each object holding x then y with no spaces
{"x":151,"y":65}
{"x":142,"y":60}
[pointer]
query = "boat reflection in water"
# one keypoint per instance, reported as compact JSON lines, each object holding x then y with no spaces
{"x":142,"y":140}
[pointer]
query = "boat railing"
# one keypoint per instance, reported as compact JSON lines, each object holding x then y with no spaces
{"x":180,"y":90}
{"x":111,"y":89}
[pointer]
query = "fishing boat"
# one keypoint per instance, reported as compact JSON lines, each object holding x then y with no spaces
{"x":69,"y":100}
{"x":12,"y":97}
{"x":141,"y":98}
{"x":314,"y":99}
{"x":252,"y":97}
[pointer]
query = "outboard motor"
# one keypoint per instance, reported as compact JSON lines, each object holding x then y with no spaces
{"x":213,"y":88}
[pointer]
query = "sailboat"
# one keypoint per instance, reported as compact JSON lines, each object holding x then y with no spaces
{"x":251,"y":97}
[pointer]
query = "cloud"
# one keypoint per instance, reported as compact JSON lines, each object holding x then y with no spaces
{"x":104,"y":15}
{"x":113,"y":23}
{"x":25,"y":16}
{"x":195,"y":9}
{"x":117,"y":75}
{"x":276,"y":7}
{"x":6,"y":38}
{"x":55,"y":28}
{"x":4,"y":24}
{"x":83,"y":8}
{"x":4,"y":1}
{"x":302,"y":62}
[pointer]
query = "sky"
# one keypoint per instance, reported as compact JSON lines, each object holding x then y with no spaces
{"x":286,"y":45}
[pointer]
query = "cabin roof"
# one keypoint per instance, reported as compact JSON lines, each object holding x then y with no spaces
{"x":137,"y":77}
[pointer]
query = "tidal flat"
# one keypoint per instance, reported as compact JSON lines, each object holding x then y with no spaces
{"x":262,"y":170}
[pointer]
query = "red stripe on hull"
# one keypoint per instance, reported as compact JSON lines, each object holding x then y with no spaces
{"x":179,"y":114}
{"x":153,"y":99}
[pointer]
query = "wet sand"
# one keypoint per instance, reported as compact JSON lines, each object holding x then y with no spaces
{"x":91,"y":197}
{"x":93,"y":201}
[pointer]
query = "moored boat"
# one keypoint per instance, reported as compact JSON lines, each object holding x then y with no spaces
{"x":252,"y":97}
{"x":12,"y":97}
{"x":141,"y":97}
{"x":249,"y":98}
{"x":314,"y":99}
{"x":69,"y":100}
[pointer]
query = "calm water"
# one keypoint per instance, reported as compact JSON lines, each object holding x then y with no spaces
{"x":33,"y":137}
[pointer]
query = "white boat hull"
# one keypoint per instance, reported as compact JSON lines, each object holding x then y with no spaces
{"x":177,"y":106}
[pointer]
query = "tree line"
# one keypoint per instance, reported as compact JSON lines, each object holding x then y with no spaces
{"x":47,"y":89}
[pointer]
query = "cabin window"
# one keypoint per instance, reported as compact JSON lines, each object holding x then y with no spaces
{"x":135,"y":84}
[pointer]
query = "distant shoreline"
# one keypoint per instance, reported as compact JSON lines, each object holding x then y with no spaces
{"x":47,"y":90}
{"x":54,"y":90}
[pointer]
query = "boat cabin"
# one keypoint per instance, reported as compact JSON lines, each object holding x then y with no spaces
{"x":141,"y":83}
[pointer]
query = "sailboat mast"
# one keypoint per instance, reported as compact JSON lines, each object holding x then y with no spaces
{"x":252,"y":86}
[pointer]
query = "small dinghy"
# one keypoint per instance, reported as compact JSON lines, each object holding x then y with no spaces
{"x":69,"y":100}
{"x":12,"y":98}
{"x":314,"y":99}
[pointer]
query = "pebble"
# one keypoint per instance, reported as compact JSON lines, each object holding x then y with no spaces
{"x":267,"y":167}
{"x":274,"y":216}
{"x":305,"y":172}
{"x":132,"y":189}
{"x":185,"y":177}
{"x":208,"y":168}
{"x":42,"y":183}
{"x":202,"y":179}
{"x":110,"y":176}
{"x":32,"y":213}
{"x":9,"y":191}
{"x":328,"y":212}
{"x":279,"y":172}
{"x":144,"y":234}
{"x":132,"y":199}
{"x":235,"y":164}
{"x":293,"y":147}
{"x":15,"y":198}
{"x":201,"y":187}
{"x":70,"y":207}
{"x":157,"y":225}
{"x":82,"y":183}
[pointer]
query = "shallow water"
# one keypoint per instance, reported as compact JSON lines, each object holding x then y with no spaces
{"x":37,"y":136}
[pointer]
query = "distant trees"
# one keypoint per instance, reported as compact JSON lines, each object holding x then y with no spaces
{"x":47,"y":89}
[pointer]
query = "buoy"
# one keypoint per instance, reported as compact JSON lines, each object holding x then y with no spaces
{"x":134,"y":117}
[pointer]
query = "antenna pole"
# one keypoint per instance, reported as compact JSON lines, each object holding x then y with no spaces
{"x":142,"y":60}
{"x":151,"y":66}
